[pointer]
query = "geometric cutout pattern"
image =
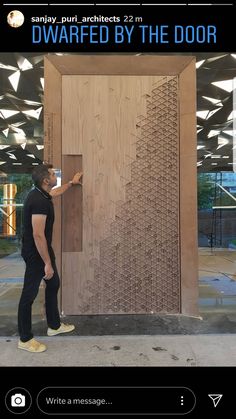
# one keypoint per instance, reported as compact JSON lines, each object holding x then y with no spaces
{"x":138,"y":267}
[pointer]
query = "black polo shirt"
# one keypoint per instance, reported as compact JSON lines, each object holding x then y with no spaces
{"x":37,"y":201}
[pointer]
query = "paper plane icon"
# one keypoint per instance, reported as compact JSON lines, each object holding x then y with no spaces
{"x":215,"y":398}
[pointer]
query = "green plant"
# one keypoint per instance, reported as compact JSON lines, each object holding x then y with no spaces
{"x":7,"y":247}
{"x":206,"y":191}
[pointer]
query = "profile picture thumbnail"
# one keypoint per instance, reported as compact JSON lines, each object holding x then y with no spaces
{"x":15,"y":18}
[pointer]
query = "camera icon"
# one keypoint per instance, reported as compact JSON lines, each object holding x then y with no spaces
{"x":18,"y":400}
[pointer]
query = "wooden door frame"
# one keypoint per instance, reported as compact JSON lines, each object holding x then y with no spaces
{"x":184,"y":67}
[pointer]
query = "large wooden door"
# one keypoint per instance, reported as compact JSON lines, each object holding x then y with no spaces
{"x":126,"y":240}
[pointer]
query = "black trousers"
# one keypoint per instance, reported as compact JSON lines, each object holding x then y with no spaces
{"x":33,"y":276}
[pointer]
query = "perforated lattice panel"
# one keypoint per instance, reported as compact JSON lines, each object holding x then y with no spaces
{"x":138,"y":269}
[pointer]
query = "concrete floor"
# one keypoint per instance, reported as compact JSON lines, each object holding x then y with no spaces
{"x":217,"y":303}
{"x":138,"y":340}
{"x":142,"y":350}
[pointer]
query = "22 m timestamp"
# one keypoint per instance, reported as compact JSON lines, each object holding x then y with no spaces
{"x":132,"y":19}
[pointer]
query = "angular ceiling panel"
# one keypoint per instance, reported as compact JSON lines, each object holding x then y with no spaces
{"x":21,"y":110}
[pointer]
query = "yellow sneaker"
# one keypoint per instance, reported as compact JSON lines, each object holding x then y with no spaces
{"x":64,"y":328}
{"x":32,"y":345}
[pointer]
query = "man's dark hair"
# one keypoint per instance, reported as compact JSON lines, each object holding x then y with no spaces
{"x":40,"y":173}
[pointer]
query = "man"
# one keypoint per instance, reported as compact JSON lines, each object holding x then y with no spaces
{"x":39,"y":256}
